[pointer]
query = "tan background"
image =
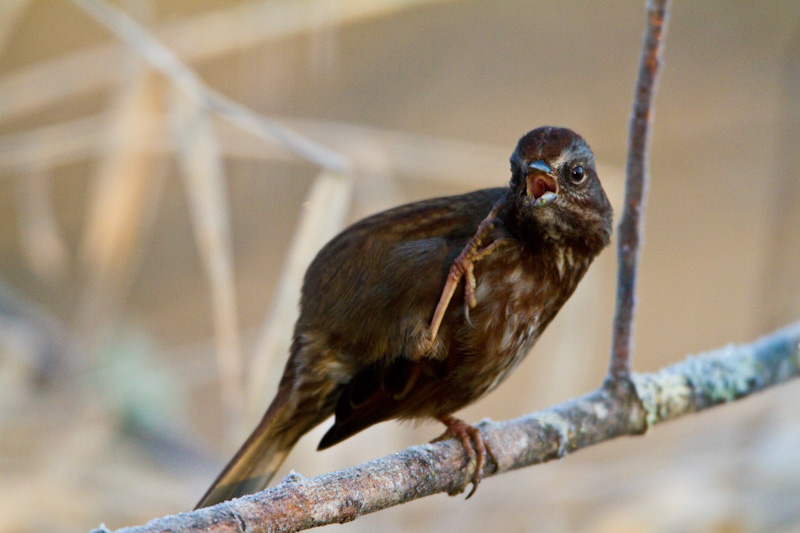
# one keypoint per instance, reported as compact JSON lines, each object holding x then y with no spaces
{"x":109,"y":392}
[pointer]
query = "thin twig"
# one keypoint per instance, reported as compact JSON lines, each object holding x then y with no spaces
{"x":692,"y":385}
{"x":165,"y":61}
{"x":632,"y":223}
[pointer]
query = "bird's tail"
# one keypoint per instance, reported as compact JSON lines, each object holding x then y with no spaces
{"x":261,"y":455}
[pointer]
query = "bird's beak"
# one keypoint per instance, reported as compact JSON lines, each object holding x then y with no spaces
{"x":541,"y":166}
{"x":542,"y":186}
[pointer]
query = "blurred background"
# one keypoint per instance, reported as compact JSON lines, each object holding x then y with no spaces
{"x":160,"y":198}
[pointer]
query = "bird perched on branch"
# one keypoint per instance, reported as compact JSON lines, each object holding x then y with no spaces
{"x":384,"y":333}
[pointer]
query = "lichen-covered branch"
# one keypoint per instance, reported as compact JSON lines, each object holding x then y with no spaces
{"x":621,"y":407}
{"x":632,"y":223}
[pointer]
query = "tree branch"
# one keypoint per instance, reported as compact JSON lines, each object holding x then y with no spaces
{"x":632,"y":223}
{"x":619,"y":408}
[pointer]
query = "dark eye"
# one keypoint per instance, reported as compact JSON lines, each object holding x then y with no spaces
{"x":577,"y":174}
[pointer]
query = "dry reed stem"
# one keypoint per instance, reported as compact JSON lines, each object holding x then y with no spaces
{"x":40,"y":236}
{"x":126,"y":193}
{"x":182,"y":77}
{"x":200,"y":162}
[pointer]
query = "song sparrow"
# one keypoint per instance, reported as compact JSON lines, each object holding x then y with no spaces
{"x":372,"y":345}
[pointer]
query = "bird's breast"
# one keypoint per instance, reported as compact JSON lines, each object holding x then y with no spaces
{"x":517,"y":298}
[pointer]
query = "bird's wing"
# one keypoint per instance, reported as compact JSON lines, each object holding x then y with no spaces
{"x":373,"y":289}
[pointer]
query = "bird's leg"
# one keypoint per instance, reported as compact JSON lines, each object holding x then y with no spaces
{"x":463,"y":266}
{"x":468,"y":435}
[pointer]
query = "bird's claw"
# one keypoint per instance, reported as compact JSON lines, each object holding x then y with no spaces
{"x":467,"y":319}
{"x":474,"y":447}
{"x":469,"y":291}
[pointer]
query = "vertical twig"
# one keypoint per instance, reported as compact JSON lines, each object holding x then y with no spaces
{"x":630,"y":227}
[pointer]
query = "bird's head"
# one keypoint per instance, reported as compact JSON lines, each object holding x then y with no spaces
{"x":554,"y":187}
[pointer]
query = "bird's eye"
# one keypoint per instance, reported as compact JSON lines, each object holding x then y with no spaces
{"x":577,"y":174}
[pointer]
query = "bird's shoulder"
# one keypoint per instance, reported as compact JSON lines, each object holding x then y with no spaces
{"x":413,"y":235}
{"x":443,"y":216}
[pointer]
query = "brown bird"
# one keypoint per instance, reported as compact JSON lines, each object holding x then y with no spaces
{"x":371,"y":344}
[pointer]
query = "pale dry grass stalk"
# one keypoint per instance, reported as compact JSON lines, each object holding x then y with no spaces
{"x":182,"y":77}
{"x":456,"y":162}
{"x":59,"y":143}
{"x":201,"y":166}
{"x":41,"y":238}
{"x":125,"y":196}
{"x":203,"y":37}
{"x":372,"y":151}
{"x":322,"y":215}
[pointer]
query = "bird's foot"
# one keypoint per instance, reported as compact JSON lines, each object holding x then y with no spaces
{"x":463,"y":267}
{"x":474,"y":447}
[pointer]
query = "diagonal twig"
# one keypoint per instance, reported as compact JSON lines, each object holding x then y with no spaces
{"x":631,"y":226}
{"x":197,"y":38}
{"x":165,"y":61}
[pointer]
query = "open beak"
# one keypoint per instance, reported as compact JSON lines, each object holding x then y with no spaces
{"x":542,"y":186}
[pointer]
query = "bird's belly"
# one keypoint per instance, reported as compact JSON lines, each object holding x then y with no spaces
{"x":505,"y":347}
{"x":511,"y":313}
